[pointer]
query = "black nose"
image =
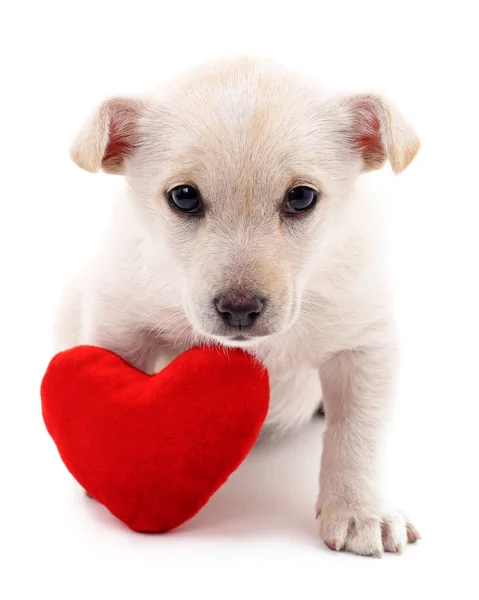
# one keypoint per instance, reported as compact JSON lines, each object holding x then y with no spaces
{"x":239,"y":309}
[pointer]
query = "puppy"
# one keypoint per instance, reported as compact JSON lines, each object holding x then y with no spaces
{"x":242,"y":225}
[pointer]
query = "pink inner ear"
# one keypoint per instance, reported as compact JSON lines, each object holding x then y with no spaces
{"x":118,"y":146}
{"x":370,"y":138}
{"x":123,"y":139}
{"x":367,"y":133}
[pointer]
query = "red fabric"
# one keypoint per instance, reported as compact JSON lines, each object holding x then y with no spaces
{"x":153,"y":449}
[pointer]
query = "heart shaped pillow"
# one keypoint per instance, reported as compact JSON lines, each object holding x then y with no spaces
{"x":153,"y":448}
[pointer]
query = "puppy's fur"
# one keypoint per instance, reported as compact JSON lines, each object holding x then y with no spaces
{"x":244,"y":132}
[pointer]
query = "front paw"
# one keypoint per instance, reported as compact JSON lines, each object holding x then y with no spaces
{"x":364,"y":532}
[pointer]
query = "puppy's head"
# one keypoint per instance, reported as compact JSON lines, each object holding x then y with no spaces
{"x":241,"y":174}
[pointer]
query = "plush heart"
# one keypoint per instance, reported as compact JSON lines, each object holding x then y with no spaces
{"x":153,"y":448}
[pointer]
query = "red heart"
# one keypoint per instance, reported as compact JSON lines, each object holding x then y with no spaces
{"x":153,"y":448}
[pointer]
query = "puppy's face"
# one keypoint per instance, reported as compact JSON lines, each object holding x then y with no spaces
{"x":242,"y":175}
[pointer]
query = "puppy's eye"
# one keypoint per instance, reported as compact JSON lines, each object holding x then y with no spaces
{"x":300,"y":199}
{"x":185,"y":198}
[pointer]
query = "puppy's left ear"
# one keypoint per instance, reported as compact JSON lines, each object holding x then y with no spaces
{"x":379,"y":132}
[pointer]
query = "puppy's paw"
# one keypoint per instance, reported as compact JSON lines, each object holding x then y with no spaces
{"x":363,"y":532}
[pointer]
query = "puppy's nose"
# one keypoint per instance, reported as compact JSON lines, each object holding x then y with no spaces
{"x":239,"y":309}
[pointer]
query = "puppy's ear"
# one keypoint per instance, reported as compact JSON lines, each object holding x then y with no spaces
{"x":109,"y":136}
{"x":380,"y":132}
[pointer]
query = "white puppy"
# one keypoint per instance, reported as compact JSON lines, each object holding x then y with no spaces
{"x":242,"y":226}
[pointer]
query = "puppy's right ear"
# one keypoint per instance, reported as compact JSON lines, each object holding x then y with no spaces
{"x":109,"y":136}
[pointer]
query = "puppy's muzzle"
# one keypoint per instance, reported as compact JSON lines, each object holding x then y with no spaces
{"x":239,"y":310}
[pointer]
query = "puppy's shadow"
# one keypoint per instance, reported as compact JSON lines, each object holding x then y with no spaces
{"x":273,"y":492}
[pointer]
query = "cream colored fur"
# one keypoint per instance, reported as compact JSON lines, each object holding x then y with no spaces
{"x":244,"y":131}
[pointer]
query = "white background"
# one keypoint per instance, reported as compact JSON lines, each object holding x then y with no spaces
{"x":256,"y":539}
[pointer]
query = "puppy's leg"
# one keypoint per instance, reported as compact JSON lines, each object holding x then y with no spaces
{"x":123,"y":337}
{"x":358,"y":389}
{"x":67,"y":325}
{"x":99,"y":320}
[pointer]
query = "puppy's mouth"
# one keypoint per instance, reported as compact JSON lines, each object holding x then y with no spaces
{"x":243,"y":338}
{"x":238,"y":339}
